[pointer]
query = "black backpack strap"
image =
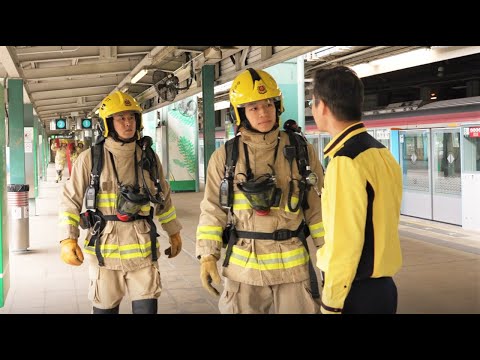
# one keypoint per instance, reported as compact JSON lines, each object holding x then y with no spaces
{"x":149,"y":162}
{"x":231,"y":157}
{"x":97,"y":164}
{"x":303,"y":163}
{"x":231,"y":149}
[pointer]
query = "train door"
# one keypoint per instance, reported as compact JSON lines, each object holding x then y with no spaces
{"x":315,"y":141}
{"x":416,"y":169}
{"x":383,"y":135}
{"x":446,"y":176}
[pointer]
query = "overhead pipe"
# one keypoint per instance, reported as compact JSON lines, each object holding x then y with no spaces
{"x":48,"y":52}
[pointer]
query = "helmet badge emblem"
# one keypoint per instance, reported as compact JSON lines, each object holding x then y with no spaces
{"x":262,"y":89}
{"x":127,"y":102}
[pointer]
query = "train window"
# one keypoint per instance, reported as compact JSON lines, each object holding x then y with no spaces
{"x":471,"y":149}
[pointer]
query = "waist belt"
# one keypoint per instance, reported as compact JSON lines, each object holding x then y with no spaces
{"x":279,"y":235}
{"x":101,"y":220}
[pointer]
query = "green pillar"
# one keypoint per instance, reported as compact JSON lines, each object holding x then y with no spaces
{"x":286,"y":76}
{"x":15,"y":125}
{"x":41,"y":150}
{"x":29,"y":148}
{"x":301,"y":92}
{"x":4,"y":273}
{"x":208,"y":77}
{"x":46,"y":153}
{"x":35,"y":155}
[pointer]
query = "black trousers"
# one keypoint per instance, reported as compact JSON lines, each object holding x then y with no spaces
{"x":372,"y":296}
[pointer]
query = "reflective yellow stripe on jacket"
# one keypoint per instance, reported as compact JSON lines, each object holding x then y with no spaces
{"x":68,"y":218}
{"x":317,"y":230}
{"x":167,"y":216}
{"x":106,"y":200}
{"x":123,"y":252}
{"x":206,"y":232}
{"x":272,"y":261}
{"x":240,"y":202}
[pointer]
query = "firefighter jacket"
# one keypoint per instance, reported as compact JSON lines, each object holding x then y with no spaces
{"x":361,"y":202}
{"x":260,"y":262}
{"x":124,"y":245}
{"x":60,"y":156}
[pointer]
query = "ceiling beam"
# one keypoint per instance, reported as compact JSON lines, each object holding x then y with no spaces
{"x":55,"y":53}
{"x":8,"y":60}
{"x":119,"y":66}
{"x":66,"y":100}
{"x":72,"y":93}
{"x":74,"y":83}
{"x":73,"y":104}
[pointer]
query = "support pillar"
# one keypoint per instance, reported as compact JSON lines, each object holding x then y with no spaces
{"x":4,"y":273}
{"x":286,"y":75}
{"x":208,"y":77}
{"x":16,"y":132}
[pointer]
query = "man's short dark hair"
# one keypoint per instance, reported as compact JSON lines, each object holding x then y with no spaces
{"x":341,"y":90}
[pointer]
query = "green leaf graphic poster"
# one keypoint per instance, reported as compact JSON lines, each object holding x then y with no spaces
{"x":182,"y":152}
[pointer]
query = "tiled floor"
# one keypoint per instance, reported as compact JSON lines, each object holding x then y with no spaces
{"x":441,"y":271}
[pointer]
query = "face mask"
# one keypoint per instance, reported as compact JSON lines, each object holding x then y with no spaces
{"x":261,"y":193}
{"x":130,"y":202}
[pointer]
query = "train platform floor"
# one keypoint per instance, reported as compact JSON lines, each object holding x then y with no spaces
{"x":440,"y":273}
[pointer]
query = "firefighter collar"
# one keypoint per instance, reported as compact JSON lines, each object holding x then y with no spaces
{"x":259,"y":140}
{"x":337,"y":142}
{"x":120,"y":149}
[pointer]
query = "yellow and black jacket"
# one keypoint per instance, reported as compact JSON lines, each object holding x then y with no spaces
{"x":361,"y":202}
{"x":253,"y":261}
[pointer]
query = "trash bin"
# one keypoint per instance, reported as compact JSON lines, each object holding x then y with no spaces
{"x":18,"y":223}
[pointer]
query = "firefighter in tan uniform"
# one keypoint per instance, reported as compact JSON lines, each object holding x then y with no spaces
{"x":60,"y":158}
{"x":75,"y":151}
{"x":122,"y":197}
{"x":266,"y":263}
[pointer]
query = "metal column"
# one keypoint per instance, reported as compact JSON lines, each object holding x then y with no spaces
{"x":208,"y":77}
{"x":4,"y":273}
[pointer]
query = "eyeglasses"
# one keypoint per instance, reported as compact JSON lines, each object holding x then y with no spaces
{"x":310,"y":103}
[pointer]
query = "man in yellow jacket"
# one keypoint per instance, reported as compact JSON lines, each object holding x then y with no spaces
{"x":360,"y":203}
{"x":121,"y":242}
{"x":266,"y":263}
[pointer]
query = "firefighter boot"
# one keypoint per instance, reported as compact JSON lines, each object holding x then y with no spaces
{"x":106,"y":311}
{"x":145,"y":306}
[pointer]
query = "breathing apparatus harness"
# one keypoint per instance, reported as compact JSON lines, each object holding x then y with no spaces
{"x":129,"y":200}
{"x":296,"y":150}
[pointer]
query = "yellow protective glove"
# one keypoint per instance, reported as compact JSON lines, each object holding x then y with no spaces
{"x":71,"y":252}
{"x":209,"y":272}
{"x":176,"y":242}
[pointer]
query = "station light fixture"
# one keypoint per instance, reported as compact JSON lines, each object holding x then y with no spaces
{"x":139,"y":75}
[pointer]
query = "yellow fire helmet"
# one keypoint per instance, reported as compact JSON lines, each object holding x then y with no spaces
{"x":117,"y":102}
{"x":254,"y":85}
